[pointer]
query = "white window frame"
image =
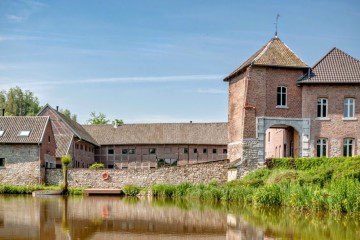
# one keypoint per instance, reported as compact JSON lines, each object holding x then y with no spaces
{"x":2,"y":133}
{"x":349,"y":108}
{"x":348,"y":147}
{"x":282,"y":91}
{"x":322,"y":103}
{"x":24,"y":133}
{"x":320,"y":144}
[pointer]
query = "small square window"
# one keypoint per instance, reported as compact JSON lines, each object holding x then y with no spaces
{"x":24,"y":133}
{"x":152,"y":150}
{"x":204,"y":150}
{"x":186,"y":150}
{"x":195,"y":150}
{"x":2,"y":162}
{"x":224,"y":151}
{"x":2,"y":133}
{"x":132,"y":151}
{"x":124,"y":151}
{"x":110,"y":151}
{"x":81,"y":147}
{"x":76,"y":146}
{"x":214,"y":151}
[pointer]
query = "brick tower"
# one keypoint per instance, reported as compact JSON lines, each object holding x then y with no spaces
{"x":263,"y":95}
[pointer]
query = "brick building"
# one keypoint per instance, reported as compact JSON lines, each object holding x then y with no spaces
{"x":280,"y":107}
{"x":71,"y":138}
{"x":27,"y":143}
{"x":154,"y":145}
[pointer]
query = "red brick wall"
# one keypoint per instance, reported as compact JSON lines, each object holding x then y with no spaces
{"x":335,"y":128}
{"x":84,"y":154}
{"x":47,"y":147}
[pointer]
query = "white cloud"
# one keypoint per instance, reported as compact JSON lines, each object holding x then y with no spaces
{"x":176,"y":78}
{"x":23,"y":10}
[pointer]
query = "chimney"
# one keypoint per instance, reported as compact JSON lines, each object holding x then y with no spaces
{"x":190,"y":121}
{"x":57,"y":108}
{"x":3,"y":111}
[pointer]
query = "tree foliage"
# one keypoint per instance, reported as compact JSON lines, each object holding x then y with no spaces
{"x":68,"y":114}
{"x":118,"y":122}
{"x":17,"y":102}
{"x":99,"y":118}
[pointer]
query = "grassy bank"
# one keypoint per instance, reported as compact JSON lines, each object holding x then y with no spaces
{"x":320,"y":184}
{"x":14,"y":189}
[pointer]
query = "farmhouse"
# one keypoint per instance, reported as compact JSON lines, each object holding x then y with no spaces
{"x":280,"y":107}
{"x":158,"y":144}
{"x":27,"y":145}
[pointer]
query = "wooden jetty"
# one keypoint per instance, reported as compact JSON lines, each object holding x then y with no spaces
{"x":46,"y":192}
{"x":102,"y":191}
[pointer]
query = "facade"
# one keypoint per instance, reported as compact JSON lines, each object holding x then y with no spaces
{"x":71,"y":138}
{"x":155,"y":145}
{"x":27,"y":141}
{"x":273,"y":102}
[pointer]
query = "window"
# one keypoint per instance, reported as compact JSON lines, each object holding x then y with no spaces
{"x":348,"y":147}
{"x":321,"y":147}
{"x":132,"y":151}
{"x":152,"y":150}
{"x":322,"y":104}
{"x":124,"y":151}
{"x":186,"y":150}
{"x":214,"y":151}
{"x":2,"y":133}
{"x":281,"y":96}
{"x":49,"y":139}
{"x":269,"y":137}
{"x":2,"y":162}
{"x":76,"y":146}
{"x":110,"y":151}
{"x":81,"y":147}
{"x":224,"y":151}
{"x":204,"y":150}
{"x":195,"y":150}
{"x":24,"y":133}
{"x":349,"y":107}
{"x":86,"y":148}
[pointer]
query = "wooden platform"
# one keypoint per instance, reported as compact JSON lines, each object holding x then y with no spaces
{"x":102,"y":191}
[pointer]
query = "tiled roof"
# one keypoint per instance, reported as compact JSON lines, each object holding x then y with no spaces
{"x":74,"y":127}
{"x":275,"y":53}
{"x":160,"y":133}
{"x":13,"y":125}
{"x":62,"y":144}
{"x":335,"y":67}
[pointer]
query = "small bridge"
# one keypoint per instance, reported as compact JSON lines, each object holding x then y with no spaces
{"x":102,"y":191}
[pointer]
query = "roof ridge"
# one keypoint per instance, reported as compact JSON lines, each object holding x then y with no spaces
{"x":263,"y":51}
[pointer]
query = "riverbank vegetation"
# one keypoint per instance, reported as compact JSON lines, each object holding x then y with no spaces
{"x":14,"y":189}
{"x":320,"y":184}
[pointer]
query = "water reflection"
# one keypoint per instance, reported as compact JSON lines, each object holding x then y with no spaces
{"x":25,"y":217}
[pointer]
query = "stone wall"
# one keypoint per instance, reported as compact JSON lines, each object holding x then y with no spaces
{"x":16,"y":153}
{"x":196,"y":173}
{"x":25,"y":173}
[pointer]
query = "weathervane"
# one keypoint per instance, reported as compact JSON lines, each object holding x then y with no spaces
{"x":276,"y":24}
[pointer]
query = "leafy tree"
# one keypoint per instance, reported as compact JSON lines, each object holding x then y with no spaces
{"x":118,"y":122}
{"x":65,"y":161}
{"x":97,"y":118}
{"x":68,"y":114}
{"x":19,"y":103}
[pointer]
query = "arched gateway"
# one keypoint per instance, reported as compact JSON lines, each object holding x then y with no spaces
{"x":263,"y":94}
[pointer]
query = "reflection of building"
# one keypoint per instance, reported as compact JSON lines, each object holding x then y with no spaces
{"x":279,"y":107}
{"x":153,"y":145}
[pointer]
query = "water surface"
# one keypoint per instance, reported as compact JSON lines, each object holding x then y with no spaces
{"x":56,"y":217}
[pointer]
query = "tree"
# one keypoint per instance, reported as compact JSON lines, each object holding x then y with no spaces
{"x":118,"y":122}
{"x":65,"y":161}
{"x":68,"y":114}
{"x":17,"y":102}
{"x":97,"y":118}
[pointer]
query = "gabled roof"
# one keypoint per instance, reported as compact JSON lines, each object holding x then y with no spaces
{"x":63,"y":143}
{"x":12,"y":125}
{"x":275,"y":53}
{"x":74,"y":127}
{"x":160,"y":133}
{"x":335,"y":67}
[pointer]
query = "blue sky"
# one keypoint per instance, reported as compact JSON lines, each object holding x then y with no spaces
{"x":158,"y":60}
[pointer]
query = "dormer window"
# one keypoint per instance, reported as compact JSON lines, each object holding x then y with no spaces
{"x":281,"y":96}
{"x":2,"y":133}
{"x":24,"y":133}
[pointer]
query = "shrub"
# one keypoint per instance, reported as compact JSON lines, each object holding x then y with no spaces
{"x":131,"y":190}
{"x":163,"y":190}
{"x":268,"y":195}
{"x":97,"y":166}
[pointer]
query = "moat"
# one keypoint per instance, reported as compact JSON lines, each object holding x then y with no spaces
{"x":57,"y":217}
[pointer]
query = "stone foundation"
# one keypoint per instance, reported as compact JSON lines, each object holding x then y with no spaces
{"x":26,"y":173}
{"x":90,"y":178}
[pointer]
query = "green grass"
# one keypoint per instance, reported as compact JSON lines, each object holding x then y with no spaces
{"x":15,"y":189}
{"x":318,"y":184}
